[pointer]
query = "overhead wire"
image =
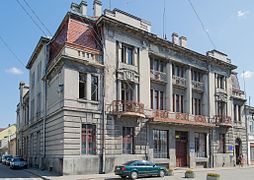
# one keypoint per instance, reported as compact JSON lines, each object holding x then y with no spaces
{"x":37,"y":17}
{"x":202,"y":24}
{"x":11,"y":51}
{"x":32,"y":19}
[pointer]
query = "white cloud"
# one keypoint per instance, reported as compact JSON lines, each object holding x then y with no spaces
{"x":247,"y":74}
{"x":14,"y":70}
{"x":243,"y":13}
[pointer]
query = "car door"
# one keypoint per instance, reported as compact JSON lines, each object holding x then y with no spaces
{"x":141,"y":167}
{"x":151,"y":168}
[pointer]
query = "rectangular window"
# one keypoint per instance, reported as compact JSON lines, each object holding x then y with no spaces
{"x":174,"y":104}
{"x":173,"y":69}
{"x":200,"y":144}
{"x":38,"y":104}
{"x":82,"y":86}
{"x":252,"y":153}
{"x":151,"y":63}
{"x":161,"y":100}
{"x":239,"y":113}
{"x":130,"y":56}
{"x":88,"y":139}
{"x":177,"y":103}
{"x":128,"y":140}
{"x":32,"y":109}
{"x":221,"y":108}
{"x":182,"y":103}
{"x":123,"y":54}
{"x":33,"y":80}
{"x":151,"y":98}
{"x":160,"y":144}
{"x":222,"y":143}
{"x":235,"y":114}
{"x":94,"y":88}
{"x":196,"y":106}
{"x":38,"y":72}
{"x":156,"y":100}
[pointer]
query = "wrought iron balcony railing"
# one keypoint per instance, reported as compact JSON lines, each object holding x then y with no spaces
{"x":221,"y":120}
{"x":124,"y":107}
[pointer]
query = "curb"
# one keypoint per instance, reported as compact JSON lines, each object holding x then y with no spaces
{"x":36,"y":174}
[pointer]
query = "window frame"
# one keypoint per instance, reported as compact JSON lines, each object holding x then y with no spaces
{"x":94,"y":84}
{"x":160,"y":143}
{"x":84,"y":82}
{"x":128,"y":131}
{"x":87,"y":143}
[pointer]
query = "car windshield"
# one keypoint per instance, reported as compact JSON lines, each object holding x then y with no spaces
{"x":17,"y":159}
{"x":128,"y":163}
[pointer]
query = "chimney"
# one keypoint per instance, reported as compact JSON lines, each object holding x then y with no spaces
{"x":175,"y":39}
{"x":75,"y":7}
{"x":97,"y":8}
{"x":183,"y":41}
{"x":83,"y":8}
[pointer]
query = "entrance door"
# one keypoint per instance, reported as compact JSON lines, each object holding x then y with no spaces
{"x":181,"y":148}
{"x":237,"y":150}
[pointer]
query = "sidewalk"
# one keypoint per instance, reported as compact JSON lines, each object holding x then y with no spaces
{"x":46,"y":175}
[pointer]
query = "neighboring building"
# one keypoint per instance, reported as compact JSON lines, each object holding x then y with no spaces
{"x":105,"y":90}
{"x":8,"y":140}
{"x":250,"y":128}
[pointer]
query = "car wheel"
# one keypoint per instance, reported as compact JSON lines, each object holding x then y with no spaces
{"x":134,"y":175}
{"x":162,"y":173}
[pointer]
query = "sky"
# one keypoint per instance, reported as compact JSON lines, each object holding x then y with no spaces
{"x":229,"y":24}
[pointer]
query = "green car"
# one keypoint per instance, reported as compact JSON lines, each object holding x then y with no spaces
{"x":138,"y":168}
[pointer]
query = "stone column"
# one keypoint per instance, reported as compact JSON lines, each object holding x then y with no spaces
{"x":119,"y":53}
{"x":211,"y":92}
{"x":207,"y":145}
{"x":169,"y":87}
{"x":205,"y":97}
{"x":172,"y":147}
{"x":88,"y":86}
{"x":188,"y":91}
{"x":191,"y":151}
{"x":135,"y":57}
{"x":229,"y":102}
{"x":237,"y":115}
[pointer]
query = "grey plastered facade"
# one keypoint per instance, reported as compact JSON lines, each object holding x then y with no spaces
{"x":133,"y":97}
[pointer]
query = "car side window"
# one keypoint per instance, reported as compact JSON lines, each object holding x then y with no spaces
{"x":140,"y":164}
{"x":149,"y":164}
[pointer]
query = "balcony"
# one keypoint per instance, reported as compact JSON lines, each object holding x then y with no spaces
{"x":199,"y":86}
{"x":221,"y":120}
{"x":181,"y":118}
{"x":237,"y":93}
{"x":179,"y":81}
{"x":158,"y":76}
{"x":127,"y":108}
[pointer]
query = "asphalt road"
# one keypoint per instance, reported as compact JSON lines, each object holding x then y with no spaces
{"x":7,"y":173}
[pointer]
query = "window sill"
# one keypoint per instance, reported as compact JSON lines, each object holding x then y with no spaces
{"x":87,"y":101}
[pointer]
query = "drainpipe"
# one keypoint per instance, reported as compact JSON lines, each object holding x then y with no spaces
{"x":45,"y":105}
{"x":247,"y":136}
{"x":103,"y":109}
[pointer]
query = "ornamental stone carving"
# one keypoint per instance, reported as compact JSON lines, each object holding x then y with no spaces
{"x":128,"y":75}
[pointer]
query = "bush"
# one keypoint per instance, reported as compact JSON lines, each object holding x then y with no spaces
{"x":189,"y":171}
{"x":213,"y":175}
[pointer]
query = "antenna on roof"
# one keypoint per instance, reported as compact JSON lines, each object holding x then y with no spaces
{"x":164,"y":19}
